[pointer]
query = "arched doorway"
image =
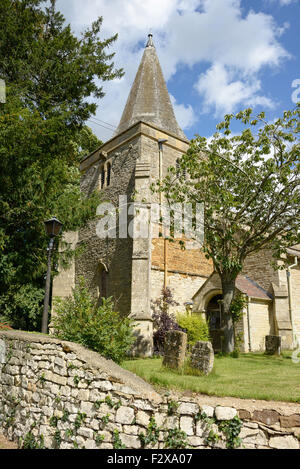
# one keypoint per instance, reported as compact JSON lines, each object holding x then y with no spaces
{"x":102,"y":282}
{"x":214,"y":319}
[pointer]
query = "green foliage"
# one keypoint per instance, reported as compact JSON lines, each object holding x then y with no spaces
{"x":51,"y":76}
{"x":151,"y":437}
{"x":195,"y":326}
{"x":212,"y":438}
{"x":175,"y":439}
{"x":105,"y":419}
{"x":117,"y":442}
{"x":231,"y":430}
{"x":99,"y":439}
{"x":55,"y":69}
{"x":172,"y":407}
{"x":99,"y":328}
{"x":108,"y":401}
{"x":53,"y":421}
{"x":80,"y":418}
{"x":237,"y":306}
{"x":22,"y":308}
{"x":245,"y":378}
{"x":249,"y":187}
{"x":57,"y":439}
{"x":30,"y":442}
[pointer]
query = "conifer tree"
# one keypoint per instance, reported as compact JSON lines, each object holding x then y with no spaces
{"x":51,"y":76}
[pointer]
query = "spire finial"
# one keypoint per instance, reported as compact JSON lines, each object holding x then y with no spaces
{"x":150,"y":42}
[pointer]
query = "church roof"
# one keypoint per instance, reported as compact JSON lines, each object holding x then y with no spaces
{"x":243,"y":283}
{"x":149,"y":100}
{"x":294,"y":250}
{"x":251,"y":288}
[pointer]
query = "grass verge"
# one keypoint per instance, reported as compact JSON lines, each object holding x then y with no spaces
{"x":251,"y":376}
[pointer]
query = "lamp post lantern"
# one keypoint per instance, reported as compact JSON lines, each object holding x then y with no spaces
{"x":189,"y":306}
{"x":53,"y":228}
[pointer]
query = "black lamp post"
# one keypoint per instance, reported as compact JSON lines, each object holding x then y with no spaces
{"x":53,"y":228}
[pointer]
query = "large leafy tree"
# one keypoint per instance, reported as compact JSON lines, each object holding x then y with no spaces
{"x":249,"y":184}
{"x":50,"y":74}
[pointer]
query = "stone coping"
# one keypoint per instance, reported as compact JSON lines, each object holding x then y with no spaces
{"x":250,"y":405}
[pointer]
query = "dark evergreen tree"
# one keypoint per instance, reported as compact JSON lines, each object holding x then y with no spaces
{"x":49,"y":74}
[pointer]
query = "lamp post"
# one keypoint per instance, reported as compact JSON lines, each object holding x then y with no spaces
{"x":53,"y":228}
{"x":189,"y":306}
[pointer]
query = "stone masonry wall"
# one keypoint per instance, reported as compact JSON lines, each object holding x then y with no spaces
{"x":261,"y":323}
{"x":183,"y":287}
{"x":295,"y":287}
{"x":60,"y":395}
{"x":190,"y":260}
{"x":258,"y":267}
{"x":115,"y":253}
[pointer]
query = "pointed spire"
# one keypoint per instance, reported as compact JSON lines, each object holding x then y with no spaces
{"x":149,"y":100}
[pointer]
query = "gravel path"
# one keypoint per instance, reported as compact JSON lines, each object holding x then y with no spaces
{"x":5,"y":444}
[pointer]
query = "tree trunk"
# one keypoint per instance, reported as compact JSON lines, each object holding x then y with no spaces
{"x":228,"y":288}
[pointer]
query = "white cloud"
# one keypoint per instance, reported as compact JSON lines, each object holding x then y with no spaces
{"x":223,"y":91}
{"x":185,"y":115}
{"x":217,"y":33}
{"x":284,"y":2}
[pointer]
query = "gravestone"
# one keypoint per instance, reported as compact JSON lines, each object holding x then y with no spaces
{"x":202,"y":356}
{"x":273,"y":344}
{"x":174,"y":349}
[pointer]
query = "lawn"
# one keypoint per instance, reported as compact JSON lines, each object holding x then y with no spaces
{"x":252,"y":375}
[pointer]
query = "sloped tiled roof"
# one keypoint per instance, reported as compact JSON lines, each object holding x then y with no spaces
{"x":251,"y":288}
{"x":294,"y":250}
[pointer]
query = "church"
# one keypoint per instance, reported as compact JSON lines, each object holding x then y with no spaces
{"x":133,"y":270}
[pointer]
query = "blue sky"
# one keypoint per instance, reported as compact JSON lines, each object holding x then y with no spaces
{"x":217,"y":56}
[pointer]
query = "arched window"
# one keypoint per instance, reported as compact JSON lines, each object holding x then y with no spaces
{"x":108,"y":174}
{"x":102,"y":281}
{"x":214,"y":318}
{"x":102,"y":177}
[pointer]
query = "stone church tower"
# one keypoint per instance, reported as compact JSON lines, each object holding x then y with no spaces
{"x":134,"y":270}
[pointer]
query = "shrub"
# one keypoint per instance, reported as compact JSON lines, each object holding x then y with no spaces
{"x":22,"y":306}
{"x":195,"y":326}
{"x":99,"y":328}
{"x":163,"y":321}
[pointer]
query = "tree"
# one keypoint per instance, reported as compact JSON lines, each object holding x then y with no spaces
{"x":53,"y":69}
{"x":49,"y":75}
{"x":249,"y":186}
{"x":79,"y":318}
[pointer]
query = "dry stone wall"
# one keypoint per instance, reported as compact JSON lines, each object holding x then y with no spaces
{"x":57,"y":394}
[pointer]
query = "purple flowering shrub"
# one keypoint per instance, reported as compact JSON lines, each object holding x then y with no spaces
{"x":163,"y":321}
